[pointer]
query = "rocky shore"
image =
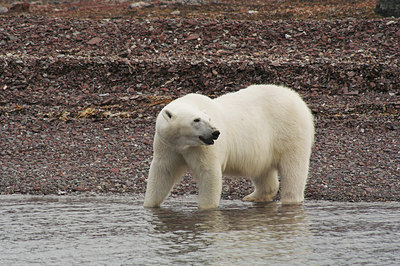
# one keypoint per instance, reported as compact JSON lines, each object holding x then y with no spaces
{"x":80,"y":89}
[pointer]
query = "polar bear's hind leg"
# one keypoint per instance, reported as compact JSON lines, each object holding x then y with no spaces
{"x":265,"y":186}
{"x":293,"y":171}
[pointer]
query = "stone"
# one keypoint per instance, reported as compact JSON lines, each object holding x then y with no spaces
{"x":388,"y":8}
{"x":3,"y":9}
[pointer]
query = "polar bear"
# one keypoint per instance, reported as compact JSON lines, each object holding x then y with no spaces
{"x":257,"y":132}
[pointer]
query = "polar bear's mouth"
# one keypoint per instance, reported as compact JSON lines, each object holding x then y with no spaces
{"x":210,"y":139}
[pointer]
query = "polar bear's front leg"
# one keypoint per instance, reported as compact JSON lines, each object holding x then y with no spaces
{"x":210,"y":189}
{"x":207,"y":172}
{"x":164,"y":173}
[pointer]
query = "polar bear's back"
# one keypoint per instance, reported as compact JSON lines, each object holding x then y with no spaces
{"x":265,"y":102}
{"x":256,"y":95}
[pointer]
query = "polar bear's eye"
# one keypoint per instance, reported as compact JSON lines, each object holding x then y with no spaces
{"x":196,"y":120}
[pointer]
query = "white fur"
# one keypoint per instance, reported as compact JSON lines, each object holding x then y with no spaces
{"x":265,"y":130}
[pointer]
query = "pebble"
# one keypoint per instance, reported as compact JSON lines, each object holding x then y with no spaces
{"x":3,"y":9}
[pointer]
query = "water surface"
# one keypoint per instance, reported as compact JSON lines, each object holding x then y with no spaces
{"x":117,"y":230}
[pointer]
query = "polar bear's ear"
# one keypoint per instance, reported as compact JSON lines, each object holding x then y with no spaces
{"x":167,"y":115}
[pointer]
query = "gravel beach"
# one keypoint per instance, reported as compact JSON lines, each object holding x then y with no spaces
{"x":81,"y":84}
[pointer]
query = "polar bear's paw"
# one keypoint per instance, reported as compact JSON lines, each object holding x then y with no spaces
{"x":253,"y":197}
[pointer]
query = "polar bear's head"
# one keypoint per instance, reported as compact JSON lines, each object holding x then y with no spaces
{"x":185,"y":127}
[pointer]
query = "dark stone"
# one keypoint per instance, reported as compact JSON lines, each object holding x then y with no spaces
{"x":20,"y":7}
{"x":388,"y":8}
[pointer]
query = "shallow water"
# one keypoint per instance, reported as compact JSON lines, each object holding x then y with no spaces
{"x":117,"y":230}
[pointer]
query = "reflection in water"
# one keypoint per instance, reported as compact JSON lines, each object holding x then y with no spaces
{"x":117,"y":230}
{"x":233,"y":231}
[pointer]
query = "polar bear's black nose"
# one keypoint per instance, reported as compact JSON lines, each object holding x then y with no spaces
{"x":215,"y":134}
